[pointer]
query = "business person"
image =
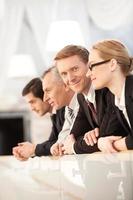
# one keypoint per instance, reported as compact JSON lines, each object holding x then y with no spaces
{"x":33,"y":94}
{"x":57,"y":94}
{"x":109,"y":66}
{"x":72,"y":64}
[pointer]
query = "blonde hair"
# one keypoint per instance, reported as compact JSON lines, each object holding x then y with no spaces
{"x":109,"y":49}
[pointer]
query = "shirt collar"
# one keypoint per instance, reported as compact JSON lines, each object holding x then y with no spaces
{"x":120,"y":102}
{"x":73,"y":102}
{"x":53,"y":111}
{"x":91,"y":95}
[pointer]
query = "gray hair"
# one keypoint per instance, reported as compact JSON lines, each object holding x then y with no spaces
{"x":55,"y":72}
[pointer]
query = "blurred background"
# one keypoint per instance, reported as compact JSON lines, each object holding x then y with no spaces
{"x":32,"y":31}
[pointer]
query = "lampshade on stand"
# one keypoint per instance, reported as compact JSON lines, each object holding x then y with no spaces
{"x":62,"y":33}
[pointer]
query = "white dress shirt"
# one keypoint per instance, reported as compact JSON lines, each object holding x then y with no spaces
{"x":68,"y":124}
{"x":120,"y":103}
{"x":91,"y":96}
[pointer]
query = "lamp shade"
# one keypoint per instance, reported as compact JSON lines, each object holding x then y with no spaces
{"x":62,"y":33}
{"x":21,"y":66}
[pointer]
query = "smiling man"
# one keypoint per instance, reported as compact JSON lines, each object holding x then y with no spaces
{"x":57,"y":94}
{"x":96,"y":116}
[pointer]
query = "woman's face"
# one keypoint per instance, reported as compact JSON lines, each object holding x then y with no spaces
{"x":99,"y":70}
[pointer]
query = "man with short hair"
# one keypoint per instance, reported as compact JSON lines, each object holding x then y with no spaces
{"x":33,"y":94}
{"x":95,"y":113}
{"x":57,"y":94}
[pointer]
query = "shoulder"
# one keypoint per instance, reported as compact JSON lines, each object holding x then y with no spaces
{"x":129,"y":85}
{"x":129,"y":80}
{"x":60,"y":112}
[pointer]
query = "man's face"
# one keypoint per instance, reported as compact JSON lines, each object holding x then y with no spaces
{"x":36,"y":104}
{"x":54,"y":91}
{"x":73,"y":72}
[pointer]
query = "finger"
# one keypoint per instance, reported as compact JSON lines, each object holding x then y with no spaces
{"x":65,"y":153}
{"x":115,"y":138}
{"x":97,"y":132}
{"x":87,"y":141}
{"x":93,"y":138}
{"x":111,"y":149}
{"x":60,"y":149}
{"x":56,"y":151}
{"x":63,"y":148}
{"x":21,"y":144}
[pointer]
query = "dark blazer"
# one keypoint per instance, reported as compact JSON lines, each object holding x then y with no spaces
{"x":108,"y":123}
{"x":129,"y":108}
{"x":57,"y":119}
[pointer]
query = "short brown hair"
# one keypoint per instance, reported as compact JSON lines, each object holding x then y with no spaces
{"x":35,"y":87}
{"x":72,"y":50}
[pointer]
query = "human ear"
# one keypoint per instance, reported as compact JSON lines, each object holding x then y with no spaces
{"x":113,"y":65}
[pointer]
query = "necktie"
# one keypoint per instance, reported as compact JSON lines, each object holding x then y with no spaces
{"x":70,"y":112}
{"x":93,"y":111}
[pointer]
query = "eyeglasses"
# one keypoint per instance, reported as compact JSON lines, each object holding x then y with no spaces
{"x":98,"y":63}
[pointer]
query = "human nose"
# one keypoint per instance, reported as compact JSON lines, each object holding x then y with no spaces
{"x":70,"y":77}
{"x":32,"y":107}
{"x":45,"y":97}
{"x":88,"y":74}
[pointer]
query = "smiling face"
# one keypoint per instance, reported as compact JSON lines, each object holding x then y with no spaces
{"x":54,"y":91}
{"x":36,"y":104}
{"x":73,"y":72}
{"x":100,"y":70}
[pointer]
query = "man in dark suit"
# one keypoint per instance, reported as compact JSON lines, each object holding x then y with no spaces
{"x":33,"y":94}
{"x":72,"y":64}
{"x":58,"y":95}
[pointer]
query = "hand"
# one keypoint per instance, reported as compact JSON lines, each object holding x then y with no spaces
{"x":68,"y":144}
{"x":24,"y":150}
{"x":55,"y":151}
{"x":105,"y":144}
{"x":17,"y":155}
{"x":91,"y":137}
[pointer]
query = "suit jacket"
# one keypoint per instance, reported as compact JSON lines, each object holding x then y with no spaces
{"x":108,"y":123}
{"x":129,"y":108}
{"x":57,"y":119}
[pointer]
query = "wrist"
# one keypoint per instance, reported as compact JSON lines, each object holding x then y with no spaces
{"x":33,"y":150}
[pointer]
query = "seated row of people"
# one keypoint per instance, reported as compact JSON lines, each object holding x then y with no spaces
{"x":90,"y":99}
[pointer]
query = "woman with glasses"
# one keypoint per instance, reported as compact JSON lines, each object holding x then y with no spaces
{"x":110,"y":66}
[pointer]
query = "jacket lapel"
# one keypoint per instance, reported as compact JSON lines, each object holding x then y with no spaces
{"x":88,"y":114}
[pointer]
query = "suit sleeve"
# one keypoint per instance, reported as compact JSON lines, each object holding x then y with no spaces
{"x":129,"y":141}
{"x":43,"y":149}
{"x":81,"y":125}
{"x":81,"y":147}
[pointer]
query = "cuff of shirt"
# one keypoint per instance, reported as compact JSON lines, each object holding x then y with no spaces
{"x":73,"y":151}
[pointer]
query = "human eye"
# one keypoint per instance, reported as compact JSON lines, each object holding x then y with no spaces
{"x":63,"y":74}
{"x":47,"y":91}
{"x":75,"y":69}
